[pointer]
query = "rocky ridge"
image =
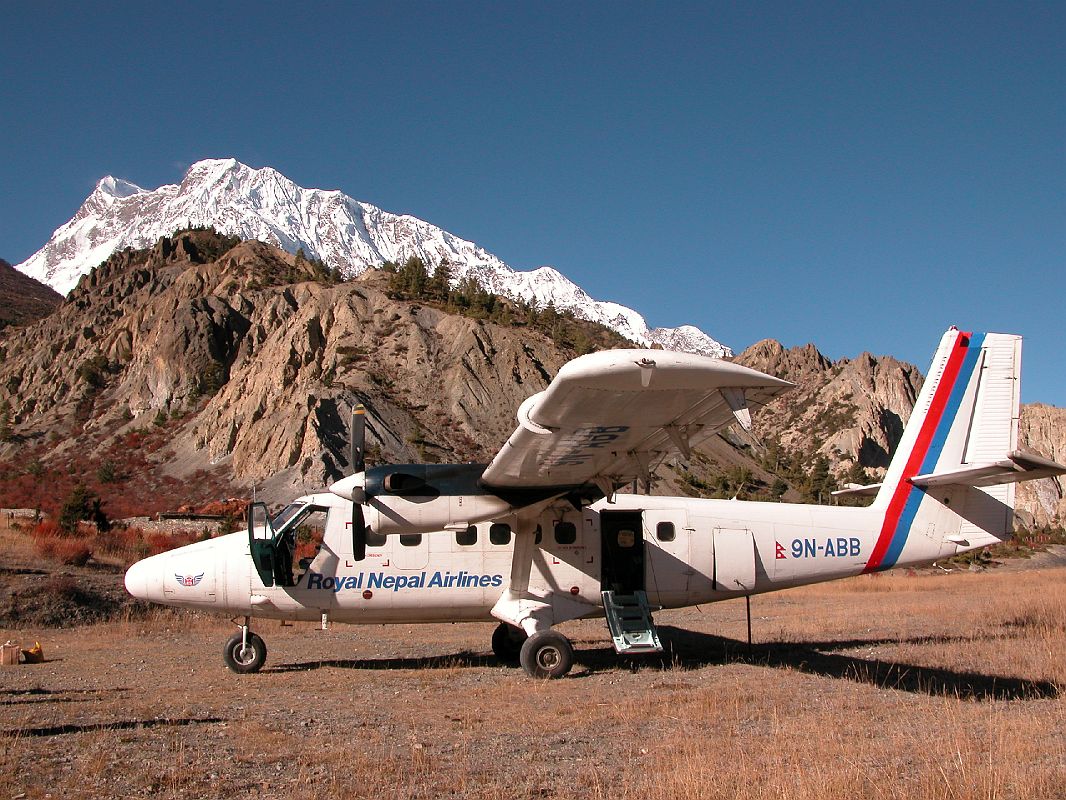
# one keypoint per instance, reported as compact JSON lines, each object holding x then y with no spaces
{"x":251,"y":359}
{"x":226,"y":365}
{"x":853,"y":411}
{"x":23,"y":299}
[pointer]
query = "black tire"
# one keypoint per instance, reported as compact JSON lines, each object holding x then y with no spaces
{"x":251,"y":659}
{"x":507,"y":641}
{"x":547,"y":654}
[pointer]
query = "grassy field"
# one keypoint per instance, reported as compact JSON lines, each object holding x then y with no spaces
{"x":926,"y":685}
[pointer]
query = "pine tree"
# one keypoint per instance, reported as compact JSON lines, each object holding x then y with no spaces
{"x":6,"y":434}
{"x":439,"y":286}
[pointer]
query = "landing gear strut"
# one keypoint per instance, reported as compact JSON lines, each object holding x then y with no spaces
{"x":245,"y":651}
{"x":547,"y":654}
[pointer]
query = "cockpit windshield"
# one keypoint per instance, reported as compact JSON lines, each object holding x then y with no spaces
{"x":285,"y":515}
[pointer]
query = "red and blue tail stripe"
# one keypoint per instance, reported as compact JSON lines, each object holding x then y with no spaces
{"x":906,"y":498}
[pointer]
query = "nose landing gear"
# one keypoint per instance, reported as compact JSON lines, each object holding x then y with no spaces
{"x":245,"y":651}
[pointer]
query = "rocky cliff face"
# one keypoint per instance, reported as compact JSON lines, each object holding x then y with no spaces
{"x":205,"y":366}
{"x":853,"y":411}
{"x":252,"y":362}
{"x":1043,"y":430}
{"x":849,"y":410}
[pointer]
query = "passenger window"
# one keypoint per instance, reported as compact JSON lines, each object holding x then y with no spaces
{"x":539,"y":537}
{"x":664,"y":532}
{"x":565,"y":533}
{"x":626,"y":538}
{"x":375,"y":539}
{"x":500,"y":533}
{"x":467,"y":537}
{"x":411,"y":539}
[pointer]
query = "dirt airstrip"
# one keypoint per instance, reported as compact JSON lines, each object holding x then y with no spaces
{"x":929,"y":685}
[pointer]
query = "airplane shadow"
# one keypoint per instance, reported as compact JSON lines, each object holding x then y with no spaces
{"x":689,"y":650}
{"x":119,"y":725}
{"x":464,"y":658}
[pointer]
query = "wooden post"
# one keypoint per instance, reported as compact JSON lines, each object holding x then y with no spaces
{"x":747,"y":605}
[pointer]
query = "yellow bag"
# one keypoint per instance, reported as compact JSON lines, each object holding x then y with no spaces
{"x":35,"y":655}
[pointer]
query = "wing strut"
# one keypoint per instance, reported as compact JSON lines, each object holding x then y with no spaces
{"x":739,"y":404}
{"x":679,"y":436}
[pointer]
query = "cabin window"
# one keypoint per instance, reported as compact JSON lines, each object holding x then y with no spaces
{"x":467,"y":537}
{"x":500,"y":533}
{"x":411,"y":539}
{"x":626,"y":538}
{"x":565,"y":533}
{"x":539,"y":536}
{"x":665,"y":532}
{"x":375,"y":539}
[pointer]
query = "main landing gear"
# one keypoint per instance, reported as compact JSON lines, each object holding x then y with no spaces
{"x":245,"y":651}
{"x":507,"y":641}
{"x":545,"y":654}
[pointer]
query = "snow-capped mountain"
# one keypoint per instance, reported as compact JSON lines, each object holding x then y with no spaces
{"x":344,"y":233}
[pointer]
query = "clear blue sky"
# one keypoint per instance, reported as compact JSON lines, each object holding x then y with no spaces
{"x":857,"y":175}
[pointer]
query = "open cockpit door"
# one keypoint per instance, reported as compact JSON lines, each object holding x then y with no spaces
{"x":262,"y":542}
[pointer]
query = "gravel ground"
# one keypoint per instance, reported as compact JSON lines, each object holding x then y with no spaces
{"x":932,"y":663}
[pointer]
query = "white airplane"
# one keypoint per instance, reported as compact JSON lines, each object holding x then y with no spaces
{"x":541,"y":535}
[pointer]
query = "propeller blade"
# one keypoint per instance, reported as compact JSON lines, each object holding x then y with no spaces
{"x":358,"y":532}
{"x":357,"y":439}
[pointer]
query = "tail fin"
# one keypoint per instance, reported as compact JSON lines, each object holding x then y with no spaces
{"x":966,"y":415}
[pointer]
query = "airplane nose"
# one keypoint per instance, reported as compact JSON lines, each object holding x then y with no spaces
{"x":138,"y":579}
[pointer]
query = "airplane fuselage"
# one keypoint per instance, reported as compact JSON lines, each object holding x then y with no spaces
{"x":680,"y":551}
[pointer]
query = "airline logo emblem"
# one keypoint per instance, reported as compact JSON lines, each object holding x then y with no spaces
{"x":189,"y":580}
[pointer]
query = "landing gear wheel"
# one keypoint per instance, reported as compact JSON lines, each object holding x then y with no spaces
{"x":507,"y":641}
{"x":245,"y":659}
{"x":547,"y":654}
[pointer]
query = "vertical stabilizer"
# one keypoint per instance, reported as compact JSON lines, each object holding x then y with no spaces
{"x":966,"y":414}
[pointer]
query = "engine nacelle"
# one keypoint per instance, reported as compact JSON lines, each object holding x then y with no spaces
{"x":392,"y":514}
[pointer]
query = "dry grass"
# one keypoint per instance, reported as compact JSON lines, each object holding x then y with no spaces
{"x":926,"y":686}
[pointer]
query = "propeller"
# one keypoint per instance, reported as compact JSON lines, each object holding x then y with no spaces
{"x":357,"y":441}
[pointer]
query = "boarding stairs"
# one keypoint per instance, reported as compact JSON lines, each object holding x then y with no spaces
{"x":629,"y":620}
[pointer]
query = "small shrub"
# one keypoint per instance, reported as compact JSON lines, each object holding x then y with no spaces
{"x":46,"y":528}
{"x":45,"y":546}
{"x":71,"y":552}
{"x":60,"y":587}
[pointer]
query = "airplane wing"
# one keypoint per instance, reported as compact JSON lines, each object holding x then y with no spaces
{"x":613,"y":416}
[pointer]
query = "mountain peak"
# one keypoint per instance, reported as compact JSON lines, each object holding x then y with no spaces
{"x":346,"y":234}
{"x":116,"y":188}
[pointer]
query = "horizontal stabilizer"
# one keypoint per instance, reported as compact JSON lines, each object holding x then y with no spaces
{"x":857,"y":490}
{"x":1018,"y":466}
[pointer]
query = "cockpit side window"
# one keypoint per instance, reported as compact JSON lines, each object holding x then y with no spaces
{"x":306,"y":530}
